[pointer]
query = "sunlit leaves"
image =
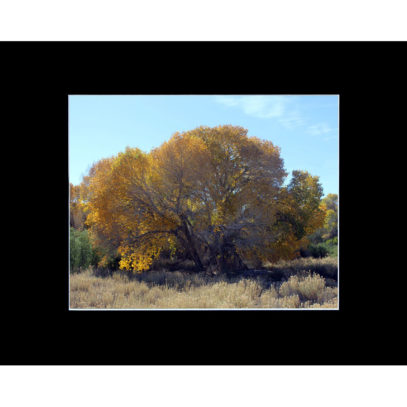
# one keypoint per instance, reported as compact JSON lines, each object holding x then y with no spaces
{"x":209,"y":190}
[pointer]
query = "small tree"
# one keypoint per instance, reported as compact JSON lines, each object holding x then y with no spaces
{"x":81,"y":253}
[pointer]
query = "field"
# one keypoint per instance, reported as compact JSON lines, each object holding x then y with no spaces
{"x":301,"y":283}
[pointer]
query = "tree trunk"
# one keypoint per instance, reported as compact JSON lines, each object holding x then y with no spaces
{"x":191,"y":248}
{"x":231,"y":261}
{"x":225,"y":259}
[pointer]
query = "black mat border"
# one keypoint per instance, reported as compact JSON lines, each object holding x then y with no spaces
{"x":39,"y":328}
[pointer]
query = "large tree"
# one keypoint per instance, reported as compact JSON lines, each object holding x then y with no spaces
{"x":215,"y":194}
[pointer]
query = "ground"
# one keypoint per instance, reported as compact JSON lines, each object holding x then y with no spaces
{"x":302,"y":283}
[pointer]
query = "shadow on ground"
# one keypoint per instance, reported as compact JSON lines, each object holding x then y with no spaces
{"x":272,"y":274}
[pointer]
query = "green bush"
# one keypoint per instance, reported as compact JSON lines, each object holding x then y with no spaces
{"x":318,"y":250}
{"x":332,"y":246}
{"x":81,"y":252}
{"x":321,"y":249}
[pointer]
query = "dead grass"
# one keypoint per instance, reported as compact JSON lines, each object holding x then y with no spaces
{"x":161,"y":289}
{"x":326,"y":267}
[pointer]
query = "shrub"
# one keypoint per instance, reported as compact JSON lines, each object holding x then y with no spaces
{"x":81,"y":253}
{"x":333,"y":241}
{"x":309,"y":288}
{"x":332,"y":246}
{"x":318,"y":250}
{"x":183,"y":290}
{"x":282,"y":270}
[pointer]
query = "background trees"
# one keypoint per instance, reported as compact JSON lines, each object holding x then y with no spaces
{"x":331,"y":219}
{"x":77,"y":216}
{"x":324,"y":241}
{"x":213,"y":195}
{"x":82,"y":254}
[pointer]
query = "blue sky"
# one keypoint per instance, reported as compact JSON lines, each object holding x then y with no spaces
{"x":306,"y":128}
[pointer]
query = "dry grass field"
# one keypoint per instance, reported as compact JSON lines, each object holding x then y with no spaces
{"x":302,"y":283}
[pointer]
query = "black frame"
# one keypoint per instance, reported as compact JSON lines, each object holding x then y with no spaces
{"x":39,"y":328}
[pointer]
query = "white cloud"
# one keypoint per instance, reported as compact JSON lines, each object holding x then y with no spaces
{"x":266,"y":107}
{"x":227,"y":100}
{"x":292,"y":119}
{"x":320,"y":128}
{"x":282,"y":108}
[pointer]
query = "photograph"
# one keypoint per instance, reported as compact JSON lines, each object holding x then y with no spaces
{"x":203,"y":202}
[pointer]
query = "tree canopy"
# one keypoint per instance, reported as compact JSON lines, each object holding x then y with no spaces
{"x":213,"y":194}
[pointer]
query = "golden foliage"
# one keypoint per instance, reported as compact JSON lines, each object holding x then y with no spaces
{"x":207,"y":190}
